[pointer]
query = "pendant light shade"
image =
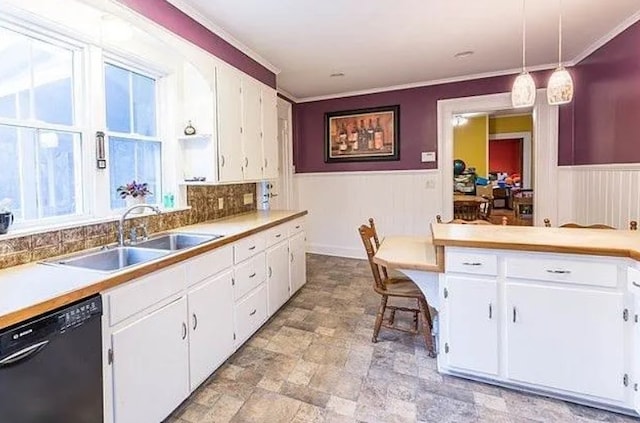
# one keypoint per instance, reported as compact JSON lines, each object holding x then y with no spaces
{"x":560,"y":86}
{"x":523,"y":93}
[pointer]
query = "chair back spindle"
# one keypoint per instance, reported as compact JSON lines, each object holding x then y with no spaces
{"x":367,"y":234}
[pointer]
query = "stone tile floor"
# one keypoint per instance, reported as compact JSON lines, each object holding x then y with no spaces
{"x":314,"y":362}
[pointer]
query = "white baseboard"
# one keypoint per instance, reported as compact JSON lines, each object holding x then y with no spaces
{"x":336,"y":251}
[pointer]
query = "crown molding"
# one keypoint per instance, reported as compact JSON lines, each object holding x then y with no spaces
{"x":288,"y":95}
{"x":462,"y":78}
{"x":624,"y":25}
{"x":195,"y":14}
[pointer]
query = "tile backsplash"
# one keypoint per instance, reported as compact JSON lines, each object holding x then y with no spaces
{"x":203,"y":199}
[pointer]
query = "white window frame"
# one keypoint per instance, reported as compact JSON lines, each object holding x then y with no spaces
{"x":149,"y":71}
{"x":79,"y":126}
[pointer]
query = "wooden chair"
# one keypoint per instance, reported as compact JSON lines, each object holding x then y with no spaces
{"x":396,"y":287}
{"x":486,"y":208}
{"x":523,"y":204}
{"x":472,"y":222}
{"x":633,"y":225}
{"x":467,"y":209}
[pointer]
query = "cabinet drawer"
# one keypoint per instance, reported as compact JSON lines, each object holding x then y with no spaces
{"x":576,"y":271}
{"x":633,"y":280}
{"x":296,"y":226}
{"x":139,"y":294}
{"x":276,"y":235}
{"x":249,"y":274}
{"x":251,"y":313}
{"x":248,"y":247}
{"x":209,"y":264}
{"x":471,"y":262}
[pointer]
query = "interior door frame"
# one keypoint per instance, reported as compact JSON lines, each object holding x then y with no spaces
{"x":526,"y":153}
{"x":545,"y":126}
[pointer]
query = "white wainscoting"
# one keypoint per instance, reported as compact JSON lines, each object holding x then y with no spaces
{"x":608,"y":194}
{"x":401,"y":202}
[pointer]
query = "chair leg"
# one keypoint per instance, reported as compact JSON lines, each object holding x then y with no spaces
{"x":426,"y":326}
{"x":392,"y":317}
{"x":379,"y":317}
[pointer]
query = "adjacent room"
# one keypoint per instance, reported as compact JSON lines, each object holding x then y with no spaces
{"x":290,"y":211}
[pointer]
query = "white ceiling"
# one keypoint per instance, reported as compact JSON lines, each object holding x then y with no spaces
{"x":381,"y":43}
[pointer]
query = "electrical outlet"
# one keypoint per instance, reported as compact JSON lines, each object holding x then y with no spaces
{"x":220,"y":203}
{"x":248,"y":199}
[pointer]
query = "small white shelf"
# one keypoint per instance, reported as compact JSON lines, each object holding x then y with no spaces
{"x":195,"y":137}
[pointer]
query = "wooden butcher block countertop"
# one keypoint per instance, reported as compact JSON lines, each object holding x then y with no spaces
{"x":32,"y":289}
{"x":601,"y":242}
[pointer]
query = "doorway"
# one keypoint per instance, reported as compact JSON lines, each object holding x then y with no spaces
{"x":543,"y":171}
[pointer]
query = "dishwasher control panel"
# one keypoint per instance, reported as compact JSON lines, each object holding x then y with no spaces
{"x":76,"y":315}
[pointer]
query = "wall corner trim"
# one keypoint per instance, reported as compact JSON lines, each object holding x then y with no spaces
{"x":196,"y":15}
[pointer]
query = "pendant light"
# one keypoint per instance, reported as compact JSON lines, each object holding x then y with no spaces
{"x":560,"y":86}
{"x":523,"y":93}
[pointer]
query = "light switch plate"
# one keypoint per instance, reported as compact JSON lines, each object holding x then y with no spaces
{"x":428,"y":156}
{"x":220,"y":203}
{"x":248,"y":199}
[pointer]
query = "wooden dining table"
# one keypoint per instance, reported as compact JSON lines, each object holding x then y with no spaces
{"x":417,"y":258}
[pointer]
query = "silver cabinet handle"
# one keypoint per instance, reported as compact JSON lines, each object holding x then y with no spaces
{"x":636,"y":284}
{"x":278,"y":236}
{"x":270,"y":271}
{"x":253,"y":312}
{"x":515,"y":315}
{"x":184,"y":330}
{"x":222,"y":160}
{"x":490,"y":311}
{"x":559,"y":272}
{"x":291,"y":257}
{"x":298,"y":226}
{"x":195,"y":321}
{"x":246,"y":162}
{"x":266,"y":163}
{"x":252,"y":248}
{"x":253,"y":275}
{"x":466,"y":263}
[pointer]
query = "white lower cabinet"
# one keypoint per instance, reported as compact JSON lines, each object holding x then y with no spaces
{"x":298,"y":261}
{"x":251,"y":313}
{"x":210,"y":333}
{"x":471,"y":315}
{"x":278,"y":276}
{"x":566,"y":338}
{"x":151,"y":365}
{"x":165,"y":333}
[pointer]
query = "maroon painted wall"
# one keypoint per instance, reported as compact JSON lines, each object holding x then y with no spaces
{"x":599,"y":127}
{"x":606,"y":107}
{"x":170,"y":17}
{"x":418,"y":122}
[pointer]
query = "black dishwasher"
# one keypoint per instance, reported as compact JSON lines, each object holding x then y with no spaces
{"x":51,"y":367}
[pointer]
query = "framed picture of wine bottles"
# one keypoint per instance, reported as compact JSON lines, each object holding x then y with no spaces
{"x":362,"y":135}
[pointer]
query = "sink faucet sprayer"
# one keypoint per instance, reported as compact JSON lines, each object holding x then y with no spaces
{"x":124,"y":215}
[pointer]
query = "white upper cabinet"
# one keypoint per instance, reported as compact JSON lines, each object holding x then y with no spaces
{"x":198,"y":100}
{"x":270,"y":133}
{"x":230,"y":151}
{"x":251,"y":129}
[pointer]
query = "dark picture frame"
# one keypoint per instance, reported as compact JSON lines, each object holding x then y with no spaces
{"x":345,"y":140}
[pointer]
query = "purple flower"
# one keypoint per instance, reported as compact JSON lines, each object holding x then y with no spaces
{"x":133,"y":189}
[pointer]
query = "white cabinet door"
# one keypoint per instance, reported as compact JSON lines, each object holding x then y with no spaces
{"x":297,"y":261}
{"x":151,"y":365}
{"x":278,"y":276}
{"x":566,"y":338}
{"x":270,"y":132}
{"x":471,"y":316}
{"x":211,"y":326}
{"x":230,"y":154}
{"x":251,"y":129}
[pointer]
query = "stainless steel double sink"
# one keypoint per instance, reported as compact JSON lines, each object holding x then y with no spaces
{"x":112,"y":259}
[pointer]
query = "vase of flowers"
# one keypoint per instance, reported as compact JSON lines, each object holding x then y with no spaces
{"x":134,"y":193}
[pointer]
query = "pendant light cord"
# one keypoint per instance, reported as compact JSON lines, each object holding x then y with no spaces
{"x":560,"y":33}
{"x":524,"y":35}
